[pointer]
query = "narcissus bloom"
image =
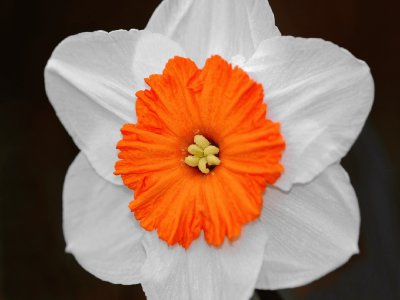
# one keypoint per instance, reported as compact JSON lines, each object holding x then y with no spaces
{"x":210,"y":151}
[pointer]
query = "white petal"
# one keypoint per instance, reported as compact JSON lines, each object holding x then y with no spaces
{"x":203,"y":272}
{"x":91,"y":80}
{"x":206,"y":27}
{"x":99,"y":229}
{"x":312,"y":230}
{"x":320,"y":94}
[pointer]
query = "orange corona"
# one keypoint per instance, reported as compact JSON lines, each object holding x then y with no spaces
{"x":201,"y":154}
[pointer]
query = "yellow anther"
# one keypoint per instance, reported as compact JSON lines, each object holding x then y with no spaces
{"x":211,"y":150}
{"x":201,"y":141}
{"x":203,"y":154}
{"x":212,"y":160}
{"x":192,"y":161}
{"x":195,"y":150}
{"x":203,"y":165}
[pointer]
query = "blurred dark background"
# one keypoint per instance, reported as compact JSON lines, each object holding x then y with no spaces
{"x":36,"y":151}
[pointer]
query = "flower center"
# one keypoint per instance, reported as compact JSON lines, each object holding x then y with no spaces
{"x":203,"y":154}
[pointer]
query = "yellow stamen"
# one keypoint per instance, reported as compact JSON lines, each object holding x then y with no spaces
{"x":195,"y":150}
{"x":203,"y":154}
{"x":212,"y":160}
{"x":203,"y":165}
{"x":192,"y":161}
{"x":211,"y":150}
{"x":201,"y":141}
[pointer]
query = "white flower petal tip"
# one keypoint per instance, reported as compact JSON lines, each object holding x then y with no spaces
{"x":312,"y":230}
{"x":206,"y":27}
{"x":91,"y":80}
{"x":320,"y":93}
{"x":204,"y":272}
{"x":99,"y":228}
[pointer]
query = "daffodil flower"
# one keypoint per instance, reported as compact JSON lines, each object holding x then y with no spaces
{"x":210,"y":151}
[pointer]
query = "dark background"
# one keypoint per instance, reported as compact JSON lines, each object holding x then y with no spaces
{"x":35,"y":150}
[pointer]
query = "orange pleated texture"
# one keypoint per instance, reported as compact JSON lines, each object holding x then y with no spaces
{"x":226,"y":106}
